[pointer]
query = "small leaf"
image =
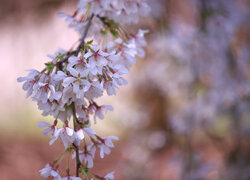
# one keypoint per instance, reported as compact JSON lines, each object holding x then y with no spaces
{"x":85,"y":123}
{"x":114,"y":32}
{"x":113,"y":23}
{"x":86,"y":46}
{"x":90,"y":42}
{"x":104,"y":32}
{"x":59,"y":56}
{"x":50,"y":66}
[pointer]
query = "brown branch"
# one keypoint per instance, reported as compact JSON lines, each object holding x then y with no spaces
{"x":84,"y":35}
{"x":59,"y":65}
{"x":75,"y":120}
{"x":80,"y":46}
{"x":103,"y":20}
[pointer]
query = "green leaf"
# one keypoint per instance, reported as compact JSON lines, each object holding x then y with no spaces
{"x":86,"y":123}
{"x":69,"y":149}
{"x":114,"y":32}
{"x":87,"y":46}
{"x":59,"y":56}
{"x":104,"y":32}
{"x":90,"y":42}
{"x":50,"y":66}
{"x":113,"y":24}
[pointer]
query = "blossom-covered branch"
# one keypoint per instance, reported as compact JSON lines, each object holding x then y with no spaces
{"x":68,"y":86}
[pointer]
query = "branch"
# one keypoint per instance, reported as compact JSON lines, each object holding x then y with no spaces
{"x":78,"y":162}
{"x":59,"y":64}
{"x":80,"y":46}
{"x":103,"y":20}
{"x":84,"y":35}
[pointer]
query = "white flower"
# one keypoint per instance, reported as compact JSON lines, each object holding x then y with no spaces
{"x":49,"y":128}
{"x":68,"y":18}
{"x":100,"y":109}
{"x":105,"y":144}
{"x":95,"y":91}
{"x":30,"y":80}
{"x":89,"y":131}
{"x":49,"y":171}
{"x":79,"y":65}
{"x":78,"y":81}
{"x":79,"y":135}
{"x":59,"y":76}
{"x":73,"y":60}
{"x":66,"y":135}
{"x":56,"y":95}
{"x":71,"y":178}
{"x":109,"y":176}
{"x":68,"y":95}
{"x":127,"y":11}
{"x":79,"y":27}
{"x":110,"y":88}
{"x":96,"y":60}
{"x":126,"y":51}
{"x":140,"y":42}
{"x":87,"y":156}
{"x":42,"y":90}
{"x":82,"y":115}
{"x":56,"y":54}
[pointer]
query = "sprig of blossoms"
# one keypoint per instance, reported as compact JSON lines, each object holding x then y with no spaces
{"x":68,"y":86}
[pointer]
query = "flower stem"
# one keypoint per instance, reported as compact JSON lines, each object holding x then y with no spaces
{"x":78,"y":163}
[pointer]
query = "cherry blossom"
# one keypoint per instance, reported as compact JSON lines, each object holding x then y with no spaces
{"x":70,"y":83}
{"x":49,"y":171}
{"x":65,"y":134}
{"x":49,"y":128}
{"x":109,"y":176}
{"x":104,"y":144}
{"x":87,"y":156}
{"x":71,"y":178}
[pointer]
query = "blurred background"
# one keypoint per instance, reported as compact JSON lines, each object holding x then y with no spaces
{"x":183,"y":116}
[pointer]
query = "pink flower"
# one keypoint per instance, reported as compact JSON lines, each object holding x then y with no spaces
{"x":71,"y":178}
{"x":30,"y":80}
{"x":105,"y":144}
{"x":87,"y":155}
{"x":49,"y":171}
{"x":79,"y":135}
{"x":109,"y":176}
{"x":65,"y":134}
{"x":49,"y":128}
{"x":98,"y":110}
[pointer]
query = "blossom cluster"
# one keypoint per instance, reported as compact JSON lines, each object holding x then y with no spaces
{"x":70,"y":83}
{"x":124,"y":11}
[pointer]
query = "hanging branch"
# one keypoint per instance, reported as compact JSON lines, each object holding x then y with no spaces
{"x":75,"y":122}
{"x":80,"y":46}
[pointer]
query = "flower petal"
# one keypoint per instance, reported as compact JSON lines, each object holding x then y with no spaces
{"x":69,"y":131}
{"x":43,"y":124}
{"x":67,"y":81}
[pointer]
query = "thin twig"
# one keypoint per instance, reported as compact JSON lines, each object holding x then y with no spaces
{"x":78,"y":162}
{"x":80,"y":46}
{"x":84,"y":35}
{"x":64,"y":59}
